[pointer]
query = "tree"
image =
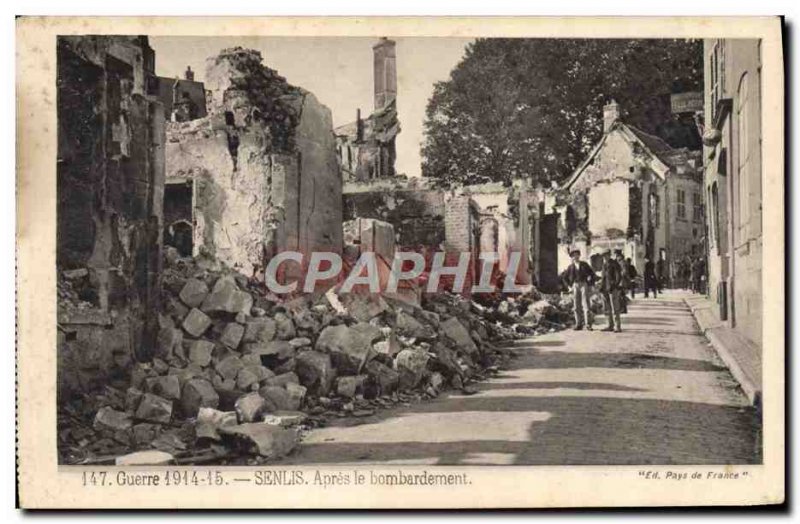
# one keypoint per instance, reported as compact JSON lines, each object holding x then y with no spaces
{"x":532,"y":108}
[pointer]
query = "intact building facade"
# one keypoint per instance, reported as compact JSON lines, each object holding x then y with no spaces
{"x":732,"y":181}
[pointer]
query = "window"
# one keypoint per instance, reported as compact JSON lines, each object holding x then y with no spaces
{"x":697,"y":207}
{"x":681,"y":199}
{"x":743,"y":150}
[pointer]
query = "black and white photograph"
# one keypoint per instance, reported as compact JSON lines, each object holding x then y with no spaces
{"x":292,"y":257}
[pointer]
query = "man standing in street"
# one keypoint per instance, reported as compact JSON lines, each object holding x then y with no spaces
{"x":580,"y":278}
{"x":610,"y":287}
{"x":625,"y":281}
{"x":661,"y":272}
{"x":649,"y":278}
{"x":632,"y":275}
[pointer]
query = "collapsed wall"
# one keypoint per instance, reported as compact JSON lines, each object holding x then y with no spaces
{"x":110,"y":176}
{"x":470,"y":219}
{"x":262,"y":166}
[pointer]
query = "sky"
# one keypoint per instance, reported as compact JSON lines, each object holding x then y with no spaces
{"x":338,"y":70}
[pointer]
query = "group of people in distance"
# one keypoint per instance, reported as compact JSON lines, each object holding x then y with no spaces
{"x":690,"y":272}
{"x":616,"y":278}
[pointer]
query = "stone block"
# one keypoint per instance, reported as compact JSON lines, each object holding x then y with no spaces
{"x":297,"y":395}
{"x":167,"y":386}
{"x":168,"y":341}
{"x":229,"y":367}
{"x":250,"y":407}
{"x":232,"y":335}
{"x":280,"y":349}
{"x":210,"y":420}
{"x":284,"y":327}
{"x":200,"y":352}
{"x":260,"y":329}
{"x":196,"y":323}
{"x":109,"y":419}
{"x":386,"y":378}
{"x":349,"y":385}
{"x":300,"y":342}
{"x":282,"y":380}
{"x":227,"y":297}
{"x":276,"y":398}
{"x":132,"y":398}
{"x":411,"y":364}
{"x":145,"y":433}
{"x":193,"y":293}
{"x":407,"y":325}
{"x":350,"y":347}
{"x":454,"y":330}
{"x":315,"y":371}
{"x":198,"y":393}
{"x":246,"y":378}
{"x":154,"y":409}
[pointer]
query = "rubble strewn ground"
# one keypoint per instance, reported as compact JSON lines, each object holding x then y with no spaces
{"x":238,"y":375}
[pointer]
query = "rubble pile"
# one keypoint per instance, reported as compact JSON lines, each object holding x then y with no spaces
{"x":238,"y":374}
{"x":74,"y":290}
{"x":530,"y":313}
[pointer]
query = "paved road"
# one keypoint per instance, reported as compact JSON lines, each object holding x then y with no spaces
{"x":654,"y":394}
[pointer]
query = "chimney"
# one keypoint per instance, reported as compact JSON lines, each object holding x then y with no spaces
{"x":385,"y":70}
{"x":188,"y":74}
{"x":610,"y":115}
{"x":359,"y":127}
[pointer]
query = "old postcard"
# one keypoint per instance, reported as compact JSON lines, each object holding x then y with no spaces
{"x":400,"y":262}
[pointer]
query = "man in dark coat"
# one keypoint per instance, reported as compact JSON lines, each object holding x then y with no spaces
{"x":625,"y":281}
{"x":649,"y":278}
{"x":661,"y":273}
{"x":579,"y":277}
{"x":632,"y":275}
{"x":610,"y":283}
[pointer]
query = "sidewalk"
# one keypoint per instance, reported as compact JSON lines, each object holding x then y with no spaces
{"x":742,"y":356}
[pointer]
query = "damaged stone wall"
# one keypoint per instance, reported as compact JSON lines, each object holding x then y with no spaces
{"x":263,"y":164}
{"x":110,"y":176}
{"x":476,"y":218}
{"x":416,"y":214}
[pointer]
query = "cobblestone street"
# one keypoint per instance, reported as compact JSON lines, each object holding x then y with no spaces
{"x":654,"y":394}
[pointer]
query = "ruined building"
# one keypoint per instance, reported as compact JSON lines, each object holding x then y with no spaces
{"x":366,"y":147}
{"x":110,"y":176}
{"x":258,"y":174}
{"x":183,"y":99}
{"x":635,"y":193}
{"x":470,"y":219}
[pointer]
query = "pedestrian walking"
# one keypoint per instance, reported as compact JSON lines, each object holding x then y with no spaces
{"x":650,"y":278}
{"x":693,"y":275}
{"x":625,"y":281}
{"x":610,"y":288}
{"x":632,"y":275}
{"x":661,"y":273}
{"x":579,"y":278}
{"x":687,"y":273}
{"x":702,"y":282}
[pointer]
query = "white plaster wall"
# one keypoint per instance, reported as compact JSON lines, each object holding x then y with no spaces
{"x":608,"y":207}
